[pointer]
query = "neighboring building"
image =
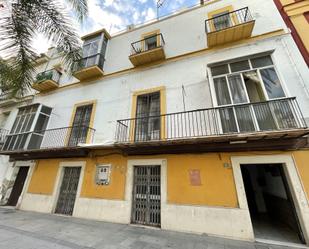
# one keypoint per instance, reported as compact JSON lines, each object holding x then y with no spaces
{"x":295,"y":13}
{"x":195,"y":123}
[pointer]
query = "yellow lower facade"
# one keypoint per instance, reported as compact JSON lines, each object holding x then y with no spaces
{"x":217,"y":187}
{"x":200,"y":193}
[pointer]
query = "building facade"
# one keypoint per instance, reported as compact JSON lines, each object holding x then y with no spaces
{"x":196,"y":122}
{"x":295,"y":13}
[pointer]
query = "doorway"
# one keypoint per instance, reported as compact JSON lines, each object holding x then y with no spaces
{"x":68,"y":190}
{"x":18,"y":186}
{"x":146,"y":201}
{"x":270,"y":203}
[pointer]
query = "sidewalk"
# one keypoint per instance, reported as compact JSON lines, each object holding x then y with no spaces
{"x":28,"y":230}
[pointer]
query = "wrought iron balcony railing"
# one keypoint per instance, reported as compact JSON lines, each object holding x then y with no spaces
{"x":49,"y":139}
{"x":228,"y":20}
{"x":147,"y":44}
{"x":51,"y":74}
{"x":3,"y":134}
{"x":273,"y":115}
{"x":89,"y":61}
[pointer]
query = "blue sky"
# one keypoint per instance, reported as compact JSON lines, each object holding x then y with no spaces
{"x":115,"y":15}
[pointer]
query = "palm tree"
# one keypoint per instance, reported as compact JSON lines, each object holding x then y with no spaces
{"x":20,"y":21}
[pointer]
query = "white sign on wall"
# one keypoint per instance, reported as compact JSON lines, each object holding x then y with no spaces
{"x":103,"y":174}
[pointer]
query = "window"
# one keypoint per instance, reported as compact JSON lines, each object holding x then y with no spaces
{"x":247,"y":81}
{"x":94,"y":51}
{"x":28,"y":129}
{"x":222,"y":21}
{"x":80,"y":126}
{"x":148,"y":117}
{"x":251,"y":80}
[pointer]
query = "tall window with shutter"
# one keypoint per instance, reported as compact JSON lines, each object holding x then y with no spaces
{"x":80,"y":126}
{"x":148,"y":117}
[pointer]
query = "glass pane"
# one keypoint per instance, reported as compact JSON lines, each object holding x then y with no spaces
{"x":94,"y":48}
{"x":46,"y":110}
{"x":35,"y":141}
{"x":86,"y":49}
{"x":148,"y":117}
{"x":261,"y":61}
{"x":228,"y":123}
{"x":32,"y":116}
{"x":240,"y":66}
{"x":222,"y":92}
{"x":41,"y":123}
{"x":244,"y":119}
{"x":272,"y":83}
{"x":237,"y":90}
{"x":218,"y":70}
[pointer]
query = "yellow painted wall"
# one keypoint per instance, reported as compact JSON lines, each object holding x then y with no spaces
{"x":44,"y":177}
{"x":302,"y":27}
{"x":217,"y":182}
{"x":116,"y":188}
{"x":302,"y":163}
{"x":295,"y":11}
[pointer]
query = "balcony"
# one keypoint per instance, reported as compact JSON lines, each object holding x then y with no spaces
{"x":229,"y":27}
{"x":46,"y":81}
{"x":148,"y":50}
{"x":52,"y":139}
{"x":271,"y":119}
{"x":89,"y":67}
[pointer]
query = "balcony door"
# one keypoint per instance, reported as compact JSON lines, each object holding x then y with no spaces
{"x":148,"y":112}
{"x":244,"y":90}
{"x":80,"y":126}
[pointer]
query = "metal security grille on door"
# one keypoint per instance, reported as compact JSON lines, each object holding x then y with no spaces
{"x":68,"y":190}
{"x":146,"y":206}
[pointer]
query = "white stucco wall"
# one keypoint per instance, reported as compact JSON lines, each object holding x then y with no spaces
{"x":114,"y":94}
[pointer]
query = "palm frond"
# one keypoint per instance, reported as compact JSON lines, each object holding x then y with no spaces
{"x":80,"y":8}
{"x":18,"y":28}
{"x":16,"y":31}
{"x":53,"y":22}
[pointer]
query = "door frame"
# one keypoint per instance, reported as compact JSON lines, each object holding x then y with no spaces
{"x":130,"y":183}
{"x":16,"y":166}
{"x":293,"y":179}
{"x":59,"y":178}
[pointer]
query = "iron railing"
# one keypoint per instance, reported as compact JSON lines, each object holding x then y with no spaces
{"x":51,"y":74}
{"x":49,"y":139}
{"x":273,"y":115}
{"x":147,"y":44}
{"x":89,"y":61}
{"x":228,"y":20}
{"x":3,"y":134}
